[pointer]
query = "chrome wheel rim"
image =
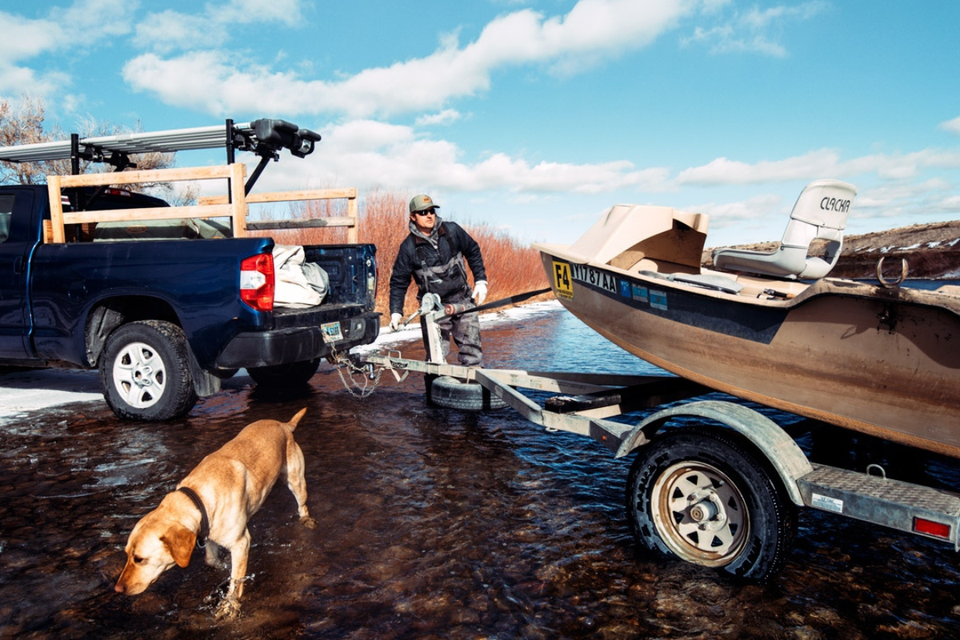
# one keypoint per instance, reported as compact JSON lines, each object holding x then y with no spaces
{"x":139,"y":375}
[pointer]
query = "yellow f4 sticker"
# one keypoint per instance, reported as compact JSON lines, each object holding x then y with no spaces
{"x":562,"y":283}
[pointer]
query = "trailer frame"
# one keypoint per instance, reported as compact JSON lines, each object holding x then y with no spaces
{"x":586,"y":401}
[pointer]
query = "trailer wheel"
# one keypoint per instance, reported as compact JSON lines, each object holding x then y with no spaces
{"x":452,"y":393}
{"x":293,"y":374}
{"x":145,"y":371}
{"x":700,"y":495}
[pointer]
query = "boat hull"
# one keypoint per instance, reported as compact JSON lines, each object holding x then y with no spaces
{"x":879,"y":361}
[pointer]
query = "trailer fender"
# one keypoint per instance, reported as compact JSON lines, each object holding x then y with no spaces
{"x":780,"y":450}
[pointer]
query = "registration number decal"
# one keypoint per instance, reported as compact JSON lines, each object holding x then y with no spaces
{"x":595,"y":277}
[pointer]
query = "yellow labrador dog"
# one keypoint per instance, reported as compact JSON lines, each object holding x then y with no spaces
{"x":215,"y":501}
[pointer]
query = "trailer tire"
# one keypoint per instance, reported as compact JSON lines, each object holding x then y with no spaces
{"x":293,"y":374}
{"x":701,"y":495}
{"x":451,"y":393}
{"x":145,"y":371}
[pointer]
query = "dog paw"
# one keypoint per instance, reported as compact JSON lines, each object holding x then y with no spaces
{"x":227,"y":610}
{"x":309,"y":522}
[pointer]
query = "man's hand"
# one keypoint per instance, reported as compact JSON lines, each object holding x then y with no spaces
{"x":396,"y":320}
{"x":480,"y":291}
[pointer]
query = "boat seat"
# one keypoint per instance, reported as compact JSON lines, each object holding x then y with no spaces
{"x":820,"y":212}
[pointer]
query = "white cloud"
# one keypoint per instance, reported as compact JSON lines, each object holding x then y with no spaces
{"x":754,"y":31}
{"x":25,"y":38}
{"x":921,"y":201}
{"x":89,"y":21}
{"x":209,"y":81}
{"x":169,"y":30}
{"x":371,"y":154}
{"x":724,"y":171}
{"x":66,"y":29}
{"x":953,"y":126}
{"x":593,"y":29}
{"x":743,"y":210}
{"x":256,"y":11}
{"x":948,"y":204}
{"x":500,"y":170}
{"x":818,"y":164}
{"x":762,"y":216}
{"x":447,"y":116}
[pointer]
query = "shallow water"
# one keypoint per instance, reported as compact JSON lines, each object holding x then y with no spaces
{"x":433,"y":524}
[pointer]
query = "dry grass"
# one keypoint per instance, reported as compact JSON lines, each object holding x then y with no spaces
{"x":512,"y":267}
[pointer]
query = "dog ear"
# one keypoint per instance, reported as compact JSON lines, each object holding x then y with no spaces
{"x":180,"y":541}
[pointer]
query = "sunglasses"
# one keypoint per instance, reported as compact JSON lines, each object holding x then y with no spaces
{"x":428,"y":212}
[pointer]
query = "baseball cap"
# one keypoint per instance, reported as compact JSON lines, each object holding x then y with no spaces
{"x":422,"y":203}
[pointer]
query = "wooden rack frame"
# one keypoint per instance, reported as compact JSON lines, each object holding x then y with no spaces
{"x":236,"y":207}
{"x":350,"y":220}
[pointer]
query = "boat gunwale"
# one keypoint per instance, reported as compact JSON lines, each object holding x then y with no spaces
{"x":816,"y":288}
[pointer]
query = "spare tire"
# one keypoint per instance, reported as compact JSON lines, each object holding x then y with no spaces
{"x":452,"y":393}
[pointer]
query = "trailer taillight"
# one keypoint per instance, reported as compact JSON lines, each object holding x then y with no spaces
{"x":257,"y":284}
{"x":931,"y":528}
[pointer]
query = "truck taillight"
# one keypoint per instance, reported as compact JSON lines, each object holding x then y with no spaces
{"x":373,"y":279}
{"x":257,"y":284}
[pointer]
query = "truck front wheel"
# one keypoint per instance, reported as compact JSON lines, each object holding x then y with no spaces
{"x":702,"y":496}
{"x":145,"y":371}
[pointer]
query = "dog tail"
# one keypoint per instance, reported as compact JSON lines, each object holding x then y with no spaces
{"x":295,"y":420}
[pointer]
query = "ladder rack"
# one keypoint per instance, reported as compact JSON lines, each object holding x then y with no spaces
{"x":264,"y":137}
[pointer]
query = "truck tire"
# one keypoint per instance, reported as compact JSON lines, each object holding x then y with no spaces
{"x":294,"y":374}
{"x":452,"y":393}
{"x":700,"y":495}
{"x":145,"y":371}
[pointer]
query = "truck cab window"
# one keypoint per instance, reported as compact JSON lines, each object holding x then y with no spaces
{"x":6,"y":211}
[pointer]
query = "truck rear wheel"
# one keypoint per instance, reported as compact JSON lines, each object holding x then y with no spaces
{"x":702,"y":496}
{"x":145,"y":371}
{"x":279,"y":376}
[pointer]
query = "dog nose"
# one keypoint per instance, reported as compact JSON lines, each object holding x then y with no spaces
{"x":119,"y":588}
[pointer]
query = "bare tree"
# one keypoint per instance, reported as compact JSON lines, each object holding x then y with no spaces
{"x":24,"y":124}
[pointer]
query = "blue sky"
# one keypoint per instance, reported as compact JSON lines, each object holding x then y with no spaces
{"x":535,"y":116}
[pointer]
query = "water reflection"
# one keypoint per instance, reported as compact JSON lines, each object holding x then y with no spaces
{"x":433,"y":524}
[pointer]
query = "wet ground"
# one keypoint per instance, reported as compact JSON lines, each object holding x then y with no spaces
{"x":433,"y":524}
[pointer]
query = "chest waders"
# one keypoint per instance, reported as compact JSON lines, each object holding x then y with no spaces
{"x":444,"y":279}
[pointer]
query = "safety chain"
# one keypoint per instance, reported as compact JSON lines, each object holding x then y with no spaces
{"x":348,"y":371}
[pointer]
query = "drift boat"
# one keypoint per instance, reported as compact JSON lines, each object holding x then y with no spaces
{"x":770,"y":327}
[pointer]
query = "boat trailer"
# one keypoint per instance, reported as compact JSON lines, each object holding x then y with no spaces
{"x":722,"y":493}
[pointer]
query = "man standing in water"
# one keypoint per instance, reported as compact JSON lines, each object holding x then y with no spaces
{"x":434,"y":255}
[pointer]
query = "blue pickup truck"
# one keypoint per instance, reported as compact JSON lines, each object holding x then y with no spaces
{"x":166,"y":316}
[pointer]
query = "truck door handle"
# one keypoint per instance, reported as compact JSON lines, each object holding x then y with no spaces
{"x":18,"y":265}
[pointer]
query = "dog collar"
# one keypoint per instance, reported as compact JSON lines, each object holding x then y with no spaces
{"x":204,"y":523}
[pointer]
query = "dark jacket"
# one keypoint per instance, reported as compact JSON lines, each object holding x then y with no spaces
{"x":417,"y":252}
